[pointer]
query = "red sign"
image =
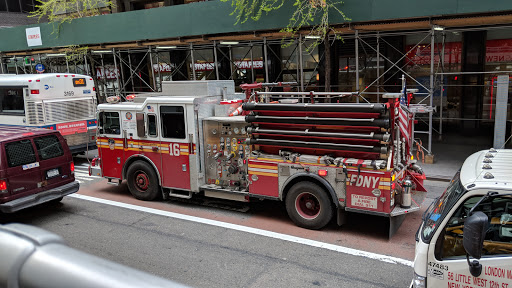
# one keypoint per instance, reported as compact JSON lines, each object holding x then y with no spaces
{"x":420,"y":55}
{"x":72,"y":127}
{"x":498,"y":50}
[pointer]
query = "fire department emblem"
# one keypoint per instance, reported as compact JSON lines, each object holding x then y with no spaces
{"x":128,"y":115}
{"x":111,"y":144}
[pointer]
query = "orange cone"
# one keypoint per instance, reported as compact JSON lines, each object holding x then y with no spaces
{"x":238,"y":111}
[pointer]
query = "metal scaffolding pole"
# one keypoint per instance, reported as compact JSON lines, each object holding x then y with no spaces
{"x":67,"y":63}
{"x":193,"y":61}
{"x":115,"y":71}
{"x":159,"y":70}
{"x":152,"y":68}
{"x":431,"y":94}
{"x":130,"y":63}
{"x":357,"y":64}
{"x":378,"y":67}
{"x":2,"y":65}
{"x":442,"y":90}
{"x":230,"y":62}
{"x":252,"y":63}
{"x":215,"y":59}
{"x":265,"y":56}
{"x":301,"y":67}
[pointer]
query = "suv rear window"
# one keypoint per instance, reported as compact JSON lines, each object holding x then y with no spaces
{"x":20,"y":153}
{"x":48,"y":147}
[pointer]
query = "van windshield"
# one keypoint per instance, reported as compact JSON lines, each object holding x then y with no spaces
{"x":441,"y":206}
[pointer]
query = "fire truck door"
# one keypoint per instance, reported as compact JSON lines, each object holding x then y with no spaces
{"x":175,"y":162}
{"x":110,"y":143}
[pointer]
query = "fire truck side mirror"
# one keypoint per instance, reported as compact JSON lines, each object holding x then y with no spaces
{"x":141,"y":124}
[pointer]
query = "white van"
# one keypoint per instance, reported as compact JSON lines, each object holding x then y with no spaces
{"x":465,"y":239}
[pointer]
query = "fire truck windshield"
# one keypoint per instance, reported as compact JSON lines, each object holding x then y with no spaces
{"x":441,"y":206}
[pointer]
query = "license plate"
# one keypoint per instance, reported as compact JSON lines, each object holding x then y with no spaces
{"x":52,"y":173}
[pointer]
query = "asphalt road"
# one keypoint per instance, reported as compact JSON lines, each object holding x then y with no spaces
{"x":202,"y":254}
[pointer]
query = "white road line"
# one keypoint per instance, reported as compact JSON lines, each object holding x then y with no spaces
{"x":312,"y":243}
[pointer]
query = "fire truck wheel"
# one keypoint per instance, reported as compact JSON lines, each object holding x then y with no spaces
{"x":142,"y":181}
{"x":308,"y":205}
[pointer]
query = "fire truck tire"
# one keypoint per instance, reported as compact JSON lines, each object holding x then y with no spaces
{"x":142,"y":181}
{"x":308,"y":205}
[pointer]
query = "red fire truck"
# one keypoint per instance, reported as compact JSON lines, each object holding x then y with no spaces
{"x":321,"y":159}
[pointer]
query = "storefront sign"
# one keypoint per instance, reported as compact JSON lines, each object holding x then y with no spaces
{"x":33,"y":36}
{"x":164,"y":67}
{"x":243,"y":64}
{"x":107,"y":72}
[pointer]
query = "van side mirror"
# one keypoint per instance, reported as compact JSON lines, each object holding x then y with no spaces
{"x":141,"y":125}
{"x":475,"y":228}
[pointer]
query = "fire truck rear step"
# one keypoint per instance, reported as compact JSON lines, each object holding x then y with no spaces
{"x":114,"y":181}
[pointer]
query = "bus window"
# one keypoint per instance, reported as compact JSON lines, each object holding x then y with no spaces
{"x":11,"y":100}
{"x":109,"y":122}
{"x":173,"y":122}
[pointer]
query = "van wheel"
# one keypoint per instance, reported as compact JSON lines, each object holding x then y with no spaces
{"x":308,"y":205}
{"x":142,"y":181}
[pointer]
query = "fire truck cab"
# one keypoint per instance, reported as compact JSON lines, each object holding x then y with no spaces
{"x":332,"y":159}
{"x":465,"y":239}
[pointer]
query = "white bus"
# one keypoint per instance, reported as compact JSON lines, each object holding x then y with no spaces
{"x":63,"y":102}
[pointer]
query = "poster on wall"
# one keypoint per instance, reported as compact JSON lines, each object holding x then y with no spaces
{"x":33,"y":36}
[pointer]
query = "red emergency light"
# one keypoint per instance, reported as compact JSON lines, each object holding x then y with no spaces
{"x":35,"y":91}
{"x":322,"y":173}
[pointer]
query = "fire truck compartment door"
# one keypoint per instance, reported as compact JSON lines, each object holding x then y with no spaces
{"x":175,"y":146}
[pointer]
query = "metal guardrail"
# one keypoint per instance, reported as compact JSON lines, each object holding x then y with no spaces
{"x":33,"y":257}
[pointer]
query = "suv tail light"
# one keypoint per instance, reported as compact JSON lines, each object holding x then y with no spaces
{"x":3,"y":186}
{"x":72,"y":167}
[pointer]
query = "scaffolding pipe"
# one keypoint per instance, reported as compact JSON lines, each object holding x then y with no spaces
{"x":265,"y":55}
{"x":130,"y":64}
{"x":193,"y":61}
{"x":301,"y":67}
{"x":432,"y":41}
{"x":215,"y":59}
{"x":442,"y":90}
{"x":67,"y":63}
{"x":152,"y":68}
{"x":309,"y":93}
{"x":115,"y":70}
{"x":158,"y":67}
{"x":252,"y":63}
{"x":378,"y":67}
{"x":357,"y":64}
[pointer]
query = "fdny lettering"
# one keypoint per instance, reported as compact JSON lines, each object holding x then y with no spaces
{"x":364,"y":181}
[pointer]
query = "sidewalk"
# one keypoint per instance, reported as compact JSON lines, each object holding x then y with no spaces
{"x":450,"y":153}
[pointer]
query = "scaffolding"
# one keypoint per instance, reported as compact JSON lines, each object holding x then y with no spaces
{"x":124,"y":71}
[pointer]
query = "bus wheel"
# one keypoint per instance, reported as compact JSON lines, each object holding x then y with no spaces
{"x":142,"y":181}
{"x":308,"y":205}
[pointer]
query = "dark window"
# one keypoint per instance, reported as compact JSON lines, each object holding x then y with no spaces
{"x":11,"y":100}
{"x":20,"y":153}
{"x":48,"y":147}
{"x":498,"y":237}
{"x":27,"y":6}
{"x":173,"y":122}
{"x":3,"y":5}
{"x":14,"y":5}
{"x":152,"y":131}
{"x":109,"y":123}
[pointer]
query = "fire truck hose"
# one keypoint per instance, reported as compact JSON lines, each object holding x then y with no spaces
{"x":258,"y":130}
{"x":331,"y":107}
{"x":318,"y":145}
{"x":382,"y":123}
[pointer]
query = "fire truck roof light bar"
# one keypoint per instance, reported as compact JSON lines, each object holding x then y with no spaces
{"x":372,"y":135}
{"x":331,"y":107}
{"x":383,"y":123}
